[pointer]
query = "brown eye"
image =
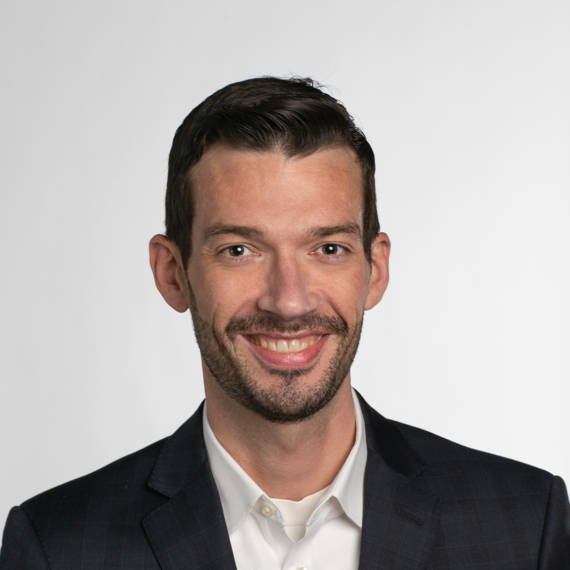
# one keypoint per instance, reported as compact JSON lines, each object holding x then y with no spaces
{"x":330,"y":249}
{"x":236,"y":250}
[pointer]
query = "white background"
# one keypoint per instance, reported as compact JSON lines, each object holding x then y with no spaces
{"x":467,"y":105}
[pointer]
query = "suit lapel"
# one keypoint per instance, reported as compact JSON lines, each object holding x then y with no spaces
{"x":188,"y":532}
{"x":400,"y":518}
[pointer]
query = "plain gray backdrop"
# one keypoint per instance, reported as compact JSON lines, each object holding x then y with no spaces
{"x":466,"y":104}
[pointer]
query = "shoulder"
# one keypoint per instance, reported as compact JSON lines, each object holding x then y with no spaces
{"x":128,"y":488}
{"x":98,"y":495}
{"x":72,"y":525}
{"x":51,"y":528}
{"x":484,"y":499}
{"x":441,"y":453}
{"x":447,"y":467}
{"x":444,"y":457}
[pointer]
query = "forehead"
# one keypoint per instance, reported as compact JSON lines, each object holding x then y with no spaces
{"x":269,"y":188}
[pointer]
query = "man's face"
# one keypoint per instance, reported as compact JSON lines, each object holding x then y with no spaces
{"x":278,"y":278}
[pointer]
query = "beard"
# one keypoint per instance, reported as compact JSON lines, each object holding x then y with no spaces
{"x":288,"y":400}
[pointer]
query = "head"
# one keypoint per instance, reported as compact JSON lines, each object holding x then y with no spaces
{"x":273,"y":243}
{"x":265,"y":114}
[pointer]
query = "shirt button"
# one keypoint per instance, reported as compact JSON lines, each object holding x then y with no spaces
{"x":268,"y":510}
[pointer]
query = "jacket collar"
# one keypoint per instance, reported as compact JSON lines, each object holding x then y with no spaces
{"x":188,"y":531}
{"x":386,"y":440}
{"x":181,"y":456}
{"x":400,"y":519}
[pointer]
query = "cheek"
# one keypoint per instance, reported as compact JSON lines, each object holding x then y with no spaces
{"x":352,"y":285}
{"x":224,"y":297}
{"x":346,"y":294}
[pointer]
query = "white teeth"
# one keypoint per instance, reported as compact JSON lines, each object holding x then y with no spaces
{"x":284,"y":346}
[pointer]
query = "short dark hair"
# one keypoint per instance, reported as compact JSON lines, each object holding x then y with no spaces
{"x":263,"y":114}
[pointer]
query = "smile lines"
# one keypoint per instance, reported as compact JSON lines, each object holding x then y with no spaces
{"x":282,"y":345}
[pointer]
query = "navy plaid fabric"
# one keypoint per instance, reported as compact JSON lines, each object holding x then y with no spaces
{"x":428,"y":504}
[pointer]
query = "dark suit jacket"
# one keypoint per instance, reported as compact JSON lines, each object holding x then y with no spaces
{"x":428,"y":504}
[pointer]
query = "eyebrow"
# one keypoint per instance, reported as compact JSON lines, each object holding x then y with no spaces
{"x":223,"y":229}
{"x":327,"y":231}
{"x":251,"y":232}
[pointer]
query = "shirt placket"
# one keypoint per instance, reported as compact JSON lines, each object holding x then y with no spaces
{"x":299,"y":557}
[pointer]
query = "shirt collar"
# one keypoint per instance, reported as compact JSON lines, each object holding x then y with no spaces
{"x":239,"y":493}
{"x":348,"y":485}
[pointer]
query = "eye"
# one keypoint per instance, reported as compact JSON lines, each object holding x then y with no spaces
{"x":237,"y":251}
{"x":332,"y":249}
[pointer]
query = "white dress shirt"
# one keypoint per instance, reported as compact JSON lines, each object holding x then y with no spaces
{"x":320,"y":532}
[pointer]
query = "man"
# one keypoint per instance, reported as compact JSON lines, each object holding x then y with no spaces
{"x":273,"y":243}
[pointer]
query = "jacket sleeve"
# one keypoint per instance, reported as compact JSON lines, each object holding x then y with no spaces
{"x":21,"y":546}
{"x":555,"y":546}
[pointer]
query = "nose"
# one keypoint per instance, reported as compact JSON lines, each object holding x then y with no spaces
{"x":287,"y":293}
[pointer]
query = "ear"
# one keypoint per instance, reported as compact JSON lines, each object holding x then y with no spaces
{"x":380,"y":274}
{"x":168,"y":270}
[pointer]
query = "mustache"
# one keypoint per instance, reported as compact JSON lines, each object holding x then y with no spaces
{"x":267,"y":323}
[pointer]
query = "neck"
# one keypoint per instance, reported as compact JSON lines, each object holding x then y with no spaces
{"x":287,"y":461}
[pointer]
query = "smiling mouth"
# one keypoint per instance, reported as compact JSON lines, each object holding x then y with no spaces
{"x":284,"y":345}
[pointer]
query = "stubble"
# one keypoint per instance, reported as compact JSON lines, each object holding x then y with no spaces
{"x":289,"y":399}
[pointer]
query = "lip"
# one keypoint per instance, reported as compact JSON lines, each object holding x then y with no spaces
{"x":300,"y":359}
{"x":287,"y":336}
